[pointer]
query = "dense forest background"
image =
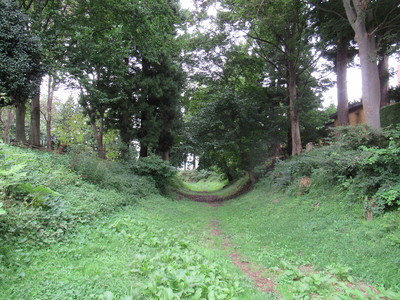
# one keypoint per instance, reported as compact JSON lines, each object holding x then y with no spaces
{"x":228,"y":83}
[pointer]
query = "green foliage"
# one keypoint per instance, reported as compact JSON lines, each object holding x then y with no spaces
{"x":44,"y":199}
{"x":70,"y":125}
{"x":20,"y":69}
{"x":197,"y":175}
{"x":390,"y":115}
{"x":124,"y":256}
{"x":159,"y":170}
{"x":364,"y":162}
{"x":109,"y":174}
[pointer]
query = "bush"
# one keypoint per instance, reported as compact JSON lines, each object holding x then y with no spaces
{"x":198,"y":175}
{"x":44,"y":198}
{"x":159,"y":170}
{"x":363,"y":162}
{"x":390,"y":115}
{"x":109,"y":174}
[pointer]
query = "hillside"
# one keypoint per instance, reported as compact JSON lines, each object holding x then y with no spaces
{"x":81,"y":238}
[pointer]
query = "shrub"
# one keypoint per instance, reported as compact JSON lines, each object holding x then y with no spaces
{"x":390,"y":115}
{"x":159,"y":170}
{"x":110,"y":174}
{"x":363,"y":162}
{"x":198,"y":175}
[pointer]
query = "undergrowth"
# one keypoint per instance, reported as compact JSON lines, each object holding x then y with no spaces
{"x":46,"y":195}
{"x":122,"y":257}
{"x":364,"y":163}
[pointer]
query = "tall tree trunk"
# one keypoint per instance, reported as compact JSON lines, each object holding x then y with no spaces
{"x":293,"y":109}
{"x":20,"y":111}
{"x":341,"y":81}
{"x":358,"y":16}
{"x":144,"y":150}
{"x":165,"y":155}
{"x":383,"y":68}
{"x":252,"y":176}
{"x":124,"y":133}
{"x":34,"y":130}
{"x":50,"y":96}
{"x":7,"y":125}
{"x":370,"y":79}
{"x":98,"y":134}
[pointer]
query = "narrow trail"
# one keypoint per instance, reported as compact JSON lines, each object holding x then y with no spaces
{"x":248,"y":268}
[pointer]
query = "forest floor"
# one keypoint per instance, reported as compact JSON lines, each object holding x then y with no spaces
{"x":261,"y":245}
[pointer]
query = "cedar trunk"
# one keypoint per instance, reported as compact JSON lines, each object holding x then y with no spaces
{"x":98,"y":134}
{"x":7,"y":125}
{"x":341,"y":81}
{"x":34,"y":130}
{"x":356,"y":11}
{"x":50,"y":95}
{"x":383,"y":69}
{"x":125,"y":136}
{"x":370,"y":79}
{"x":20,"y":111}
{"x":293,"y":110}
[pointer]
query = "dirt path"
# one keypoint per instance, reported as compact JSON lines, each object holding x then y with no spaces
{"x":250,"y":269}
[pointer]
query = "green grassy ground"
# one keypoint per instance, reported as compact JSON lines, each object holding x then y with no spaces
{"x":315,"y":245}
{"x":204,"y":185}
{"x":160,"y":245}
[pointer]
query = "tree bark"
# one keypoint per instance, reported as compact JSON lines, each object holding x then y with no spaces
{"x":124,"y":133}
{"x":7,"y":125}
{"x":341,"y":82}
{"x":383,"y":69}
{"x":34,"y":130}
{"x":252,"y":176}
{"x":144,"y":150}
{"x":358,"y":17}
{"x":20,"y":111}
{"x":50,"y":95}
{"x":165,"y":155}
{"x":98,"y":134}
{"x":293,"y":109}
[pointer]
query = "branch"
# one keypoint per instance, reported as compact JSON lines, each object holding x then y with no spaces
{"x":351,"y":15}
{"x":266,"y":41}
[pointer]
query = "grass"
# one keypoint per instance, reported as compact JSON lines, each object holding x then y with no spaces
{"x":313,"y":245}
{"x":223,"y":192}
{"x":128,"y":256}
{"x":317,"y":229}
{"x":204,"y":185}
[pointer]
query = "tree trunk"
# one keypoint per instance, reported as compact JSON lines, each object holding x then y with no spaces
{"x":358,"y":17}
{"x":34,"y":130}
{"x":383,"y":69}
{"x":144,"y":150}
{"x":125,"y":136}
{"x":7,"y":125}
{"x":20,"y":111}
{"x":98,"y":134}
{"x":252,"y":176}
{"x":370,"y":79}
{"x":165,"y":155}
{"x":50,"y":95}
{"x":341,"y":81}
{"x":293,"y":110}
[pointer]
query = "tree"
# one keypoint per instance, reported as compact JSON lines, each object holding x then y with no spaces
{"x":335,"y":35}
{"x":281,"y":38}
{"x":20,"y":69}
{"x":42,"y":21}
{"x":361,"y":15}
{"x":6,"y":119}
